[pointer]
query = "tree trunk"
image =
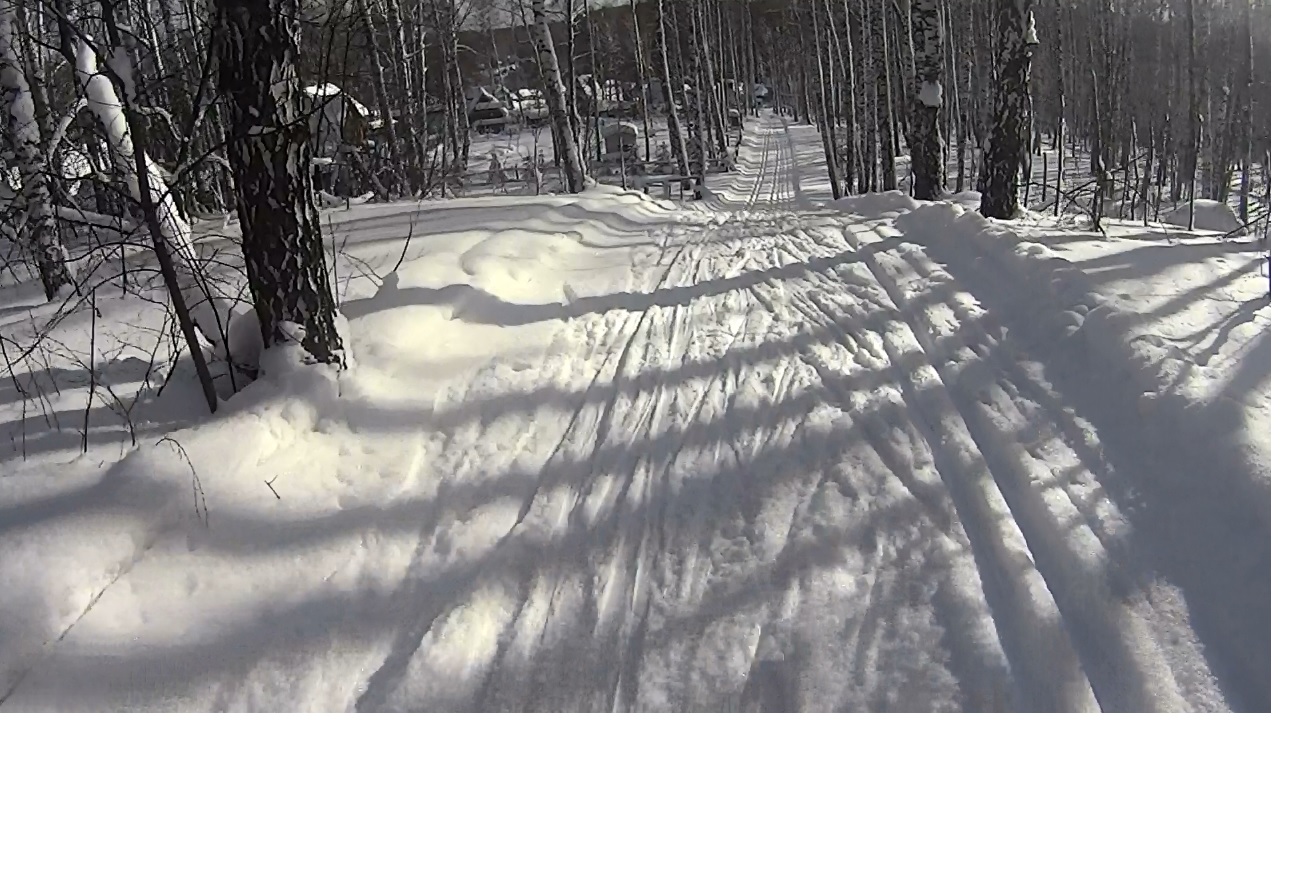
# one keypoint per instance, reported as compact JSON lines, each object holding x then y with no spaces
{"x":1247,"y":142}
{"x":575,"y":175}
{"x":269,"y":152}
{"x":33,"y":193}
{"x":642,"y":78}
{"x":675,"y":138}
{"x":925,"y":102}
{"x":707,"y":82}
{"x":1195,"y":122}
{"x":570,"y":49}
{"x":382,"y":100}
{"x":880,"y":71}
{"x":825,"y":118}
{"x":1008,"y":141}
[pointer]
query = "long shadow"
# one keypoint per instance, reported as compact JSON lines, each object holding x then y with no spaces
{"x":1244,"y":314}
{"x":49,"y":425}
{"x":1147,"y":261}
{"x":1254,"y":370}
{"x":315,"y":624}
{"x":311,"y":628}
{"x":1205,"y":539}
{"x":1176,"y":303}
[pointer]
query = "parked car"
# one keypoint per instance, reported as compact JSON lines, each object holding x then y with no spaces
{"x":484,"y":110}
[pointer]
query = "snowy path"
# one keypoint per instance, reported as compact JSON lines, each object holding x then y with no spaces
{"x":795,"y":462}
{"x":767,"y":497}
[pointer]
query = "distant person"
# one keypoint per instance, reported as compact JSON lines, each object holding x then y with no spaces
{"x":496,"y":175}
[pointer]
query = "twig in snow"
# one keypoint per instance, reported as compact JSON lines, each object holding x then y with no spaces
{"x":89,"y":401}
{"x":199,"y":494}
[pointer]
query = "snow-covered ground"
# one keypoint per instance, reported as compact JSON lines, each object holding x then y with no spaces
{"x":766,"y":451}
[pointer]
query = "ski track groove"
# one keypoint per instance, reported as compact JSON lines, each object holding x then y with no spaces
{"x":1123,"y":665}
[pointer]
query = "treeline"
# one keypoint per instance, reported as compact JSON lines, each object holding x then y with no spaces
{"x":142,"y":114}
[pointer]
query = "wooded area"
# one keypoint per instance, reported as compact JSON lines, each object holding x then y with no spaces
{"x":138,"y":117}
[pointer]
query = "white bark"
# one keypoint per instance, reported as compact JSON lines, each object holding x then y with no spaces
{"x":575,"y":173}
{"x":212,"y":315}
{"x":32,"y":194}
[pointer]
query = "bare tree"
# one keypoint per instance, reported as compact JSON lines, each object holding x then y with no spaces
{"x":575,"y":173}
{"x":269,"y":152}
{"x":1008,"y":140}
{"x":33,"y":193}
{"x":675,"y":138}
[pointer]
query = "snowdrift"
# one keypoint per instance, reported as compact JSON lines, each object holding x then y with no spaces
{"x":1211,"y":215}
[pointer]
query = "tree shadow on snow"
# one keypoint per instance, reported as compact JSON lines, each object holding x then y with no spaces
{"x":573,"y":669}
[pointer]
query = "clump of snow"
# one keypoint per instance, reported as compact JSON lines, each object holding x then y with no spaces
{"x":930,"y":93}
{"x":1031,"y":37}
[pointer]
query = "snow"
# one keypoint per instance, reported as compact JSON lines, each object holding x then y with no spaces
{"x":1210,"y":215}
{"x":766,"y":451}
{"x":929,"y":93}
{"x":1030,"y":37}
{"x":328,"y":90}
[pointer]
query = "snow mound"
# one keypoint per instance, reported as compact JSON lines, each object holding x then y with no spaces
{"x":483,"y":278}
{"x":1211,"y":215}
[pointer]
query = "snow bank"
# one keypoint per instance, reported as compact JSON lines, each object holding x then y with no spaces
{"x":482,"y":277}
{"x":71,"y":532}
{"x":1211,"y":215}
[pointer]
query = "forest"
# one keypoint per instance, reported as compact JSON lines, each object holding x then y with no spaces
{"x":1162,"y":100}
{"x":784,"y":355}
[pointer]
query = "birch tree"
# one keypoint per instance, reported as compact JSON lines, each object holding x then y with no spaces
{"x":34,"y":200}
{"x":924,"y":109}
{"x":675,"y":139}
{"x":269,"y":152}
{"x":575,"y":173}
{"x":1008,"y":140}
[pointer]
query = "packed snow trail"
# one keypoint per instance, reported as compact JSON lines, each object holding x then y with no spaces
{"x":794,"y":461}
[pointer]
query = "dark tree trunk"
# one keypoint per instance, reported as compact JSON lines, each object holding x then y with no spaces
{"x":1008,"y":140}
{"x":570,"y":49}
{"x":270,"y":158}
{"x":925,"y":101}
{"x":880,"y":71}
{"x":382,"y":100}
{"x":642,"y":79}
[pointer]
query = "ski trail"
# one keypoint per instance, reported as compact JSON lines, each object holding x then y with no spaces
{"x":1127,"y":668}
{"x":806,"y":472}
